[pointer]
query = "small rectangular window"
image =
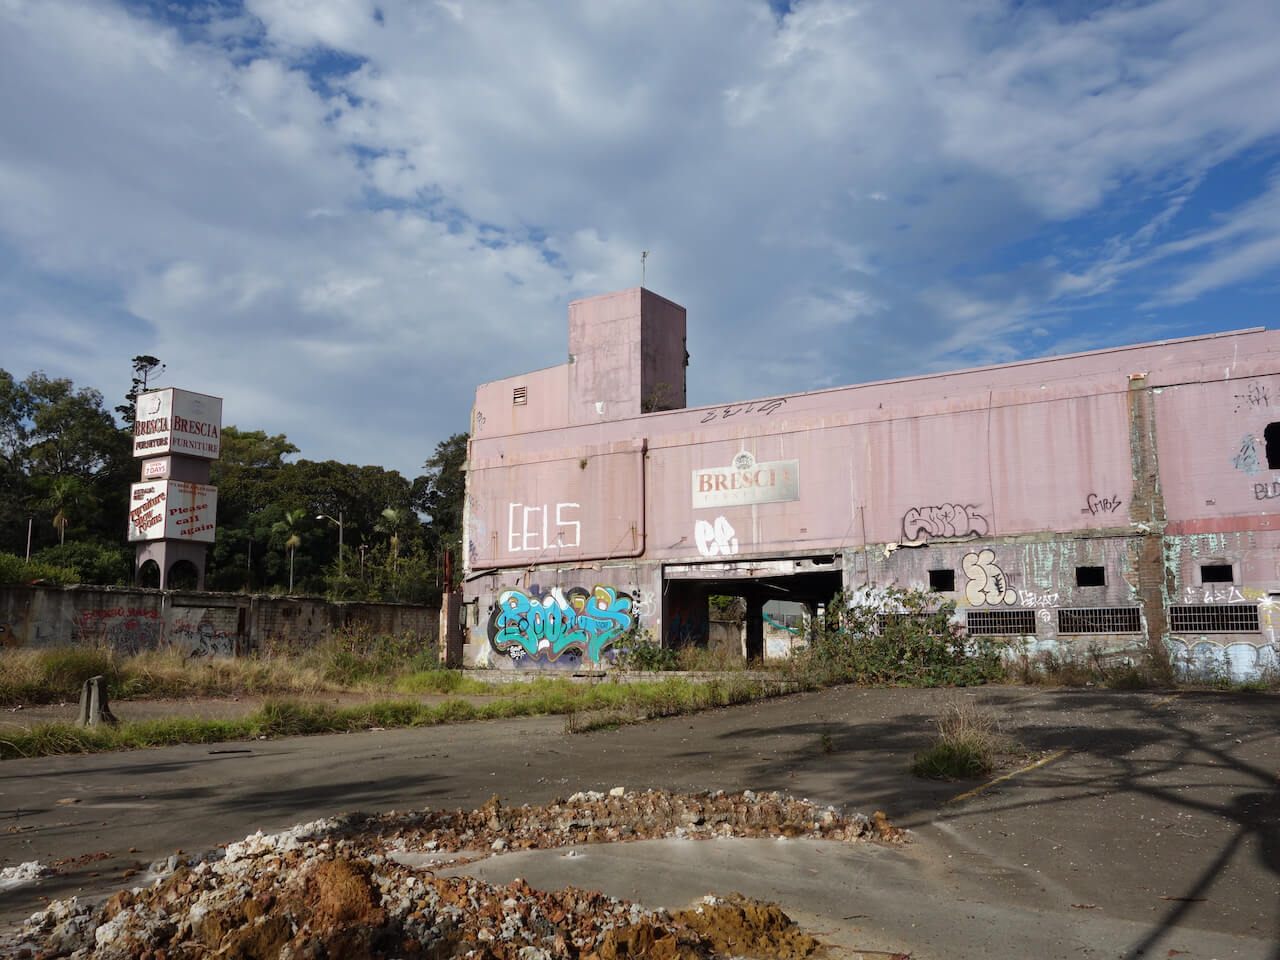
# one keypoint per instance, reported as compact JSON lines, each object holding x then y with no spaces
{"x":1216,"y":573}
{"x":1091,"y":576}
{"x":520,"y":395}
{"x":943,"y":581}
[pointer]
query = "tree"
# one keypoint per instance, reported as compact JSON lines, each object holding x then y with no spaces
{"x":67,"y":493}
{"x":393,"y":521}
{"x":440,"y":493}
{"x":291,"y":525}
{"x":143,"y":368}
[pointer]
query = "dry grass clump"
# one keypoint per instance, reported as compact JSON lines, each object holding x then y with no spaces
{"x":968,"y":742}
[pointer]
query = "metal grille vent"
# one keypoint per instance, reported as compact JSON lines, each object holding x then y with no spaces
{"x":520,"y":395}
{"x":1214,"y":618}
{"x":1100,"y":620}
{"x":1000,"y":623}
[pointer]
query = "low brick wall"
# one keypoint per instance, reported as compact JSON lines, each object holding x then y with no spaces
{"x":202,"y":624}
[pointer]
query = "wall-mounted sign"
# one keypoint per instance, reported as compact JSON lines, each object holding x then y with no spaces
{"x":746,"y":481}
{"x":177,"y":421}
{"x":155,"y":469}
{"x":172,"y":510}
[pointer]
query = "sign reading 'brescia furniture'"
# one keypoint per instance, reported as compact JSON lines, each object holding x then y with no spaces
{"x":177,"y":421}
{"x":746,"y":481}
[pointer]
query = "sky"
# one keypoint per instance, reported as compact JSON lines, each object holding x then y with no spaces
{"x":343,"y":215}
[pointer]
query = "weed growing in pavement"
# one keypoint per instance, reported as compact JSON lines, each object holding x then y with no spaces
{"x":894,"y":636}
{"x":967,"y":744}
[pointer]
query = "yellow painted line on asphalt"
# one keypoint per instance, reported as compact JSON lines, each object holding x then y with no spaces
{"x":991,"y":783}
{"x":1161,"y":703}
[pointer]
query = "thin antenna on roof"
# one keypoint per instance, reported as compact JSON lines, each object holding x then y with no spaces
{"x":644,"y":255}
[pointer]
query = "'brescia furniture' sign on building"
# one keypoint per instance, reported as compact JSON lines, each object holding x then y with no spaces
{"x":746,"y":481}
{"x":177,"y":421}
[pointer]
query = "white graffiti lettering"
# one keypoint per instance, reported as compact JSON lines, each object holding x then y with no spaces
{"x":715,"y":541}
{"x":529,"y":527}
{"x":987,"y":584}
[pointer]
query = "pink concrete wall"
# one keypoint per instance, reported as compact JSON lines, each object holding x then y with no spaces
{"x":605,"y":344}
{"x":545,"y":407}
{"x":1213,"y":457}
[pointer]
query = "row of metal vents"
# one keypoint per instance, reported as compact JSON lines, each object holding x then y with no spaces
{"x":1186,"y":618}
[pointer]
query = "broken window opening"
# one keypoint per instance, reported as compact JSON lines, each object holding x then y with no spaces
{"x":942,"y":581}
{"x":1091,"y":576}
{"x":1216,"y":573}
{"x":1271,"y":436}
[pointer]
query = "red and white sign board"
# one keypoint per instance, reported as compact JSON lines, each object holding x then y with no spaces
{"x":177,"y":421}
{"x":172,"y":510}
{"x":157,"y":469}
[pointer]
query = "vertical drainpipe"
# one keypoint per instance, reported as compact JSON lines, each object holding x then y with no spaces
{"x":1147,"y":514}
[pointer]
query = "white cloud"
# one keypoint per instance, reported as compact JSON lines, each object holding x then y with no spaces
{"x":840,"y":194}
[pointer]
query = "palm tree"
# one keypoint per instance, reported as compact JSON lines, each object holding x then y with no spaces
{"x":291,"y":524}
{"x":66,"y":492}
{"x":392,"y":522}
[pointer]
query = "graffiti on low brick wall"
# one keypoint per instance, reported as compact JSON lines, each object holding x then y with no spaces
{"x":546,"y":627}
{"x":125,"y":629}
{"x":202,"y":639}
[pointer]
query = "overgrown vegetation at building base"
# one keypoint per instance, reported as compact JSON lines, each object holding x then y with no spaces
{"x":893,"y":636}
{"x":627,"y":702}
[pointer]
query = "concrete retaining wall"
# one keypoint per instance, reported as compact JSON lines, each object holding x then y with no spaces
{"x":202,"y":624}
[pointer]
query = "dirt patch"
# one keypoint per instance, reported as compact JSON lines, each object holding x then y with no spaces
{"x":742,"y":926}
{"x":336,"y":888}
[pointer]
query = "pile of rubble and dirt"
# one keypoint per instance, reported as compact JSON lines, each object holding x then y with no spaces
{"x":362,"y":887}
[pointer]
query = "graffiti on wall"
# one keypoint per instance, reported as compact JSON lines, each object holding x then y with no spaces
{"x":203,"y":639}
{"x":1216,"y":593}
{"x":125,"y":629}
{"x":988,"y":585}
{"x":762,"y":407}
{"x":1094,"y":504}
{"x":531,"y":527}
{"x":545,"y":627}
{"x":1033,"y":599}
{"x":718,"y":540}
{"x":1247,"y":457}
{"x":1254,"y":397}
{"x":946,"y":520}
{"x":1267,"y":491}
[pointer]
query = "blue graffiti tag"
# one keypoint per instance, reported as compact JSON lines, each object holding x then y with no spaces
{"x":573,"y":619}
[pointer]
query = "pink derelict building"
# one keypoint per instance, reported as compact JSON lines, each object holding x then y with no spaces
{"x":1108,"y":499}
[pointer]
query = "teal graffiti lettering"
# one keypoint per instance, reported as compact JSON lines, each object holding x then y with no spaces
{"x":587,"y":622}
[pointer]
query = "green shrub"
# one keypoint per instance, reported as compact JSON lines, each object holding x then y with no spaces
{"x":641,"y":651}
{"x":90,"y":562}
{"x":894,"y":636}
{"x":13,"y":569}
